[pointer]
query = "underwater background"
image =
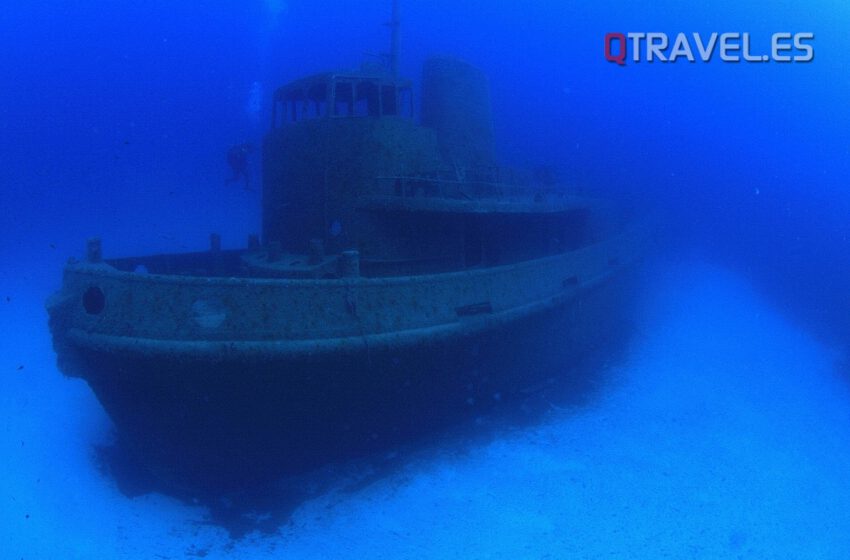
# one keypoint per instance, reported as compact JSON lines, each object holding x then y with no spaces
{"x":726,"y":430}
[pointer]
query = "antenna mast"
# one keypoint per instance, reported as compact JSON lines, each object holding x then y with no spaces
{"x":394,"y":24}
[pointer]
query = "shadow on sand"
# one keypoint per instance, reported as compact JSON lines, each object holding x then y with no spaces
{"x":266,"y":506}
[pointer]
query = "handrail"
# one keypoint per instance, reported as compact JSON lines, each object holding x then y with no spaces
{"x":444,"y":185}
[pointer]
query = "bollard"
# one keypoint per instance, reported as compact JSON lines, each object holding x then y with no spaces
{"x":275,"y":251}
{"x":317,"y":251}
{"x":349,"y":264}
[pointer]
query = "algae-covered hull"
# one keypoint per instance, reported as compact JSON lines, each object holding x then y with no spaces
{"x":228,"y":379}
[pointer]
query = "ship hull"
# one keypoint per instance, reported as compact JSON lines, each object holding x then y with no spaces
{"x":232,"y":411}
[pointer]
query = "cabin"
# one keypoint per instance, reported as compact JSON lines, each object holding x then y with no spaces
{"x":348,"y":169}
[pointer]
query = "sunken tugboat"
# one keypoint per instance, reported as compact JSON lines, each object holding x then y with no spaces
{"x":403,"y":280}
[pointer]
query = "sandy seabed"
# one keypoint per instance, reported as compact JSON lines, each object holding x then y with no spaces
{"x":725,"y":433}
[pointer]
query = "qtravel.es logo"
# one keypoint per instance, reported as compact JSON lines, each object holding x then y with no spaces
{"x":696,"y":47}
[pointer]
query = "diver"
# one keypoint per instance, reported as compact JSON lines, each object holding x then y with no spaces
{"x":237,"y":159}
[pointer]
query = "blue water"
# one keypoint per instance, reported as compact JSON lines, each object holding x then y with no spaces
{"x":725,"y":431}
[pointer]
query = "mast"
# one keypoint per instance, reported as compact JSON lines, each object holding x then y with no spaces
{"x":394,"y":24}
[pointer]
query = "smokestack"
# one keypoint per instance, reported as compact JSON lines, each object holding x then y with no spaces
{"x":456,"y":104}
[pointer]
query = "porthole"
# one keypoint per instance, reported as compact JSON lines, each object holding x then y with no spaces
{"x":209,"y":313}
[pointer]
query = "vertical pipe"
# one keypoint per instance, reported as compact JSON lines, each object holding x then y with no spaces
{"x":394,"y":25}
{"x":94,"y":253}
{"x":215,"y":243}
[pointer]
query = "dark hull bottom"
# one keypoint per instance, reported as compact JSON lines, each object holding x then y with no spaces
{"x":225,"y":423}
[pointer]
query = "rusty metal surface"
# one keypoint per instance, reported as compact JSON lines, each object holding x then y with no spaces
{"x":179,"y":308}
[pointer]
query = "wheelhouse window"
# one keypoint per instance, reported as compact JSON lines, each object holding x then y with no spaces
{"x":367,"y":102}
{"x":341,"y":96}
{"x":317,"y":101}
{"x":344,"y":99}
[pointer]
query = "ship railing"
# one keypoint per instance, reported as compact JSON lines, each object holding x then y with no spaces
{"x":479,"y":183}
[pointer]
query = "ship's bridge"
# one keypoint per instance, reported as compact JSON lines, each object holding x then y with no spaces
{"x":362,"y":93}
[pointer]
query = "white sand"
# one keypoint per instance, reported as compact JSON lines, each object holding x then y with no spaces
{"x":726,"y":434}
